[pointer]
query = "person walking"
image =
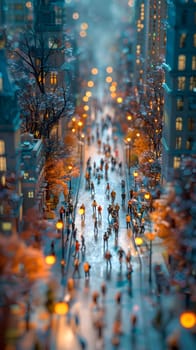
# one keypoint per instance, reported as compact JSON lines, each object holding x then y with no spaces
{"x":86,"y":267}
{"x":128,"y":221}
{"x":77,"y":248}
{"x":107,"y":190}
{"x":62,"y":213}
{"x":105,"y":240}
{"x":82,"y":211}
{"x":99,"y":209}
{"x":95,"y":226}
{"x":94,"y":206}
{"x":129,"y":206}
{"x":83,"y":245}
{"x":113,"y":196}
{"x":123,"y":196}
{"x":128,"y":259}
{"x":108,"y":257}
{"x":76,"y":267}
{"x":121,"y":253}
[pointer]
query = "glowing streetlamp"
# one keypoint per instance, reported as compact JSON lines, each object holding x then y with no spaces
{"x":147,"y":196}
{"x":135,"y":175}
{"x":70,"y":169}
{"x":188,"y":319}
{"x":150,"y":236}
{"x":50,"y":259}
{"x":138,"y":241}
{"x":61,"y":308}
{"x":128,"y":139}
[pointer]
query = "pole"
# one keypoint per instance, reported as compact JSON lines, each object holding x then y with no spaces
{"x":62,"y":243}
{"x":129,"y":157}
{"x":150,"y":262}
{"x":70,"y":183}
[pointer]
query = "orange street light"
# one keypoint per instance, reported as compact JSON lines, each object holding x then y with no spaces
{"x":147,"y":195}
{"x":188,"y":319}
{"x":138,"y":241}
{"x":61,"y":308}
{"x":60,"y":226}
{"x":128,"y":140}
{"x":50,"y":259}
{"x":150,"y":236}
{"x":135,"y":175}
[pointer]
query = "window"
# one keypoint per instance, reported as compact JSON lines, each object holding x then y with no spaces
{"x":3,"y":166}
{"x":41,"y":79}
{"x":194,"y":40}
{"x":176,"y":162}
{"x":52,"y":43}
{"x":26,"y":175}
{"x":181,"y":83}
{"x":2,"y":147}
{"x":2,"y":163}
{"x":192,"y":85}
{"x":53,"y":78}
{"x":180,"y":103}
{"x":183,"y":40}
{"x":178,"y":142}
{"x":181,"y":62}
{"x":189,"y":143}
{"x":31,"y":194}
{"x":191,"y":124}
{"x":179,"y":123}
{"x":193,"y":62}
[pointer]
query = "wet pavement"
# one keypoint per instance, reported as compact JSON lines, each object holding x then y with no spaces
{"x":106,"y":324}
{"x":137,"y":296}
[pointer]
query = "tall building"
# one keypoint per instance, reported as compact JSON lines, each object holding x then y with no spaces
{"x":10,"y":173}
{"x":179,"y":130}
{"x":150,"y":17}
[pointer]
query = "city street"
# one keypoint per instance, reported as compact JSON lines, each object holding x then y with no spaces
{"x":137,"y":296}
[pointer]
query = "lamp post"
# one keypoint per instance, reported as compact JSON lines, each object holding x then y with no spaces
{"x":128,"y":139}
{"x":70,"y":169}
{"x":150,"y":236}
{"x":60,"y":227}
{"x":135,"y":175}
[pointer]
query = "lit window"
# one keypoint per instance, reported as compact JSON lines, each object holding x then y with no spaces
{"x":53,"y":78}
{"x":194,"y":40}
{"x":192,"y":85}
{"x":2,"y":147}
{"x":183,"y":40}
{"x":180,"y":103}
{"x":179,"y":123}
{"x":193,"y":62}
{"x":181,"y":83}
{"x":178,"y":142}
{"x":181,"y":62}
{"x":26,"y":175}
{"x":31,"y":194}
{"x":191,"y":124}
{"x":2,"y":163}
{"x":41,"y":79}
{"x":176,"y":162}
{"x":52,"y":43}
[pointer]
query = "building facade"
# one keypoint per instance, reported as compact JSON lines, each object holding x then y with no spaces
{"x":32,"y":167}
{"x":10,"y":172}
{"x":179,"y":130}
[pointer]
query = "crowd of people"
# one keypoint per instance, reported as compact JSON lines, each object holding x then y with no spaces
{"x":119,"y":206}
